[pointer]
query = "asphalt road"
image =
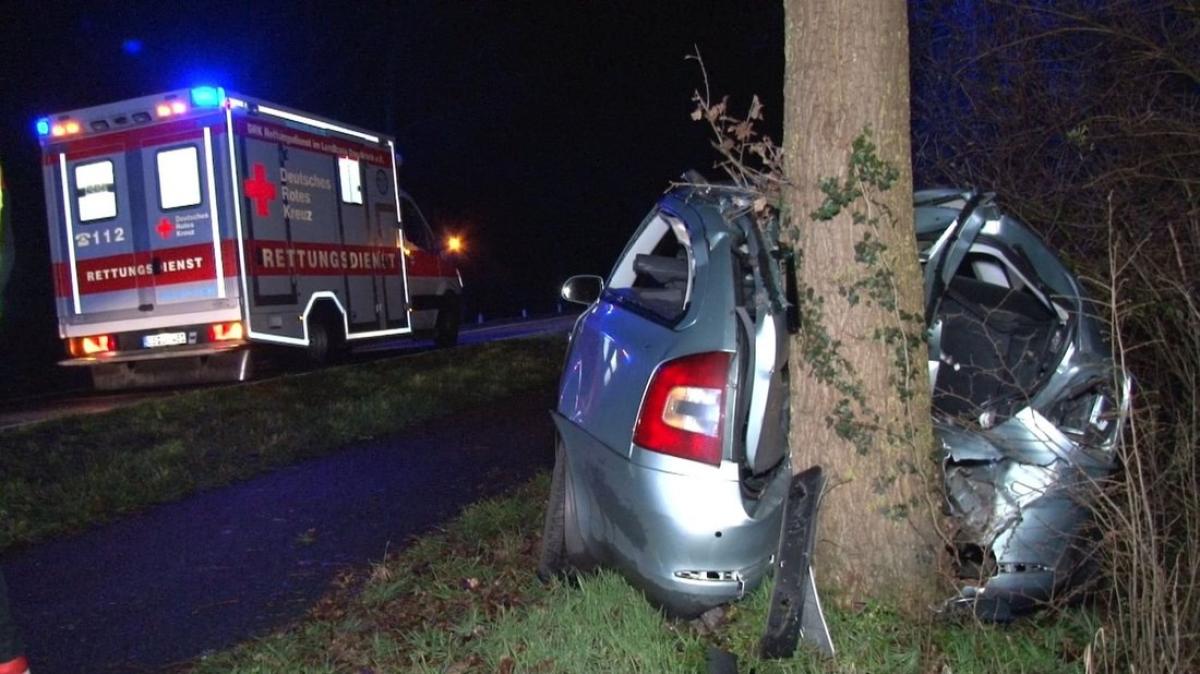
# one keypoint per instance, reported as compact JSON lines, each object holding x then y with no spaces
{"x":25,"y":411}
{"x":223,"y":566}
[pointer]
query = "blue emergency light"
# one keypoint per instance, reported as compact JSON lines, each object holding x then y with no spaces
{"x":208,"y":97}
{"x":43,"y":126}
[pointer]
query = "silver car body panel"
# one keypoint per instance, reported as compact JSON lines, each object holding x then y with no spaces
{"x":689,"y":534}
{"x":682,"y":532}
{"x":1018,"y":476}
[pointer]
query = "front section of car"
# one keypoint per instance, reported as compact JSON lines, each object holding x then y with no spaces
{"x":1028,"y":403}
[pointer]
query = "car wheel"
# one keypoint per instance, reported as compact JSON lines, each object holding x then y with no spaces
{"x":445,"y":331}
{"x":554,"y":559}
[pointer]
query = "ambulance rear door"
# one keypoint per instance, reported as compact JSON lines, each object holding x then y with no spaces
{"x":101,"y":271}
{"x":139,"y":222}
{"x":187,"y":254}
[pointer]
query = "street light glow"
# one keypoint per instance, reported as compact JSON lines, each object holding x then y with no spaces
{"x":454,"y":243}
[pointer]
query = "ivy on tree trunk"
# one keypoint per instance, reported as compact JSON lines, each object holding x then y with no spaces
{"x":860,"y":389}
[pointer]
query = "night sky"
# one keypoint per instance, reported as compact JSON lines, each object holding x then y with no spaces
{"x":542,"y":132}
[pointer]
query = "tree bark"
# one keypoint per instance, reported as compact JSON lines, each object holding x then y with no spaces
{"x":860,"y":388}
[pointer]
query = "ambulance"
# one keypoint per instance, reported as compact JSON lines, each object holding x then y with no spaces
{"x":190,"y":226}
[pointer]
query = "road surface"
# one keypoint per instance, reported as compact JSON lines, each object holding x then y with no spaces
{"x":187,"y":578}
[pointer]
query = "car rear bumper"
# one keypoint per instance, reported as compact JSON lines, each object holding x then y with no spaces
{"x":681,"y":531}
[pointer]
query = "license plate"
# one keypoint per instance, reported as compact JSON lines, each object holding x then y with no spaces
{"x":164,"y":339}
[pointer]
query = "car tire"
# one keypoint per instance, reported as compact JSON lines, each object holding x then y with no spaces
{"x":445,"y":330}
{"x":554,"y":559}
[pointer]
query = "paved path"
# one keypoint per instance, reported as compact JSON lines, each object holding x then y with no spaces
{"x":186,"y":578}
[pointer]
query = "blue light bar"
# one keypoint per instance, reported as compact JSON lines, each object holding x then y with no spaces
{"x":43,"y":126}
{"x":208,"y":97}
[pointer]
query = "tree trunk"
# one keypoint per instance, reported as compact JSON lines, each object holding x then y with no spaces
{"x":860,"y":386}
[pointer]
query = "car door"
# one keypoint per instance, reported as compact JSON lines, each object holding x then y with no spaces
{"x":762,"y":315}
{"x":951,"y":248}
{"x":946,"y":253}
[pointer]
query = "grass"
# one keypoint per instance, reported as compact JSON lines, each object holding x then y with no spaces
{"x":465,"y":599}
{"x":64,"y":474}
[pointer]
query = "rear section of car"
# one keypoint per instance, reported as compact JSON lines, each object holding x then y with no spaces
{"x":143,"y":255}
{"x":670,"y":409}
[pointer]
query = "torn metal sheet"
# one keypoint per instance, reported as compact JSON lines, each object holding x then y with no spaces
{"x":1028,"y":404}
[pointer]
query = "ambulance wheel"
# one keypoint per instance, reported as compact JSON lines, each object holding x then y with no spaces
{"x":445,"y":330}
{"x":318,"y":343}
{"x":325,"y":342}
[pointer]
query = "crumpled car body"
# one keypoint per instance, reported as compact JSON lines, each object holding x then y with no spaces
{"x":1027,"y":403}
{"x":672,"y":414}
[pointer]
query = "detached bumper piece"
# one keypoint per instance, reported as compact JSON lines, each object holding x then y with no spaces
{"x":795,"y":606}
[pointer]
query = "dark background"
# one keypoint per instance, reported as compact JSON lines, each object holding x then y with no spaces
{"x":541,"y":132}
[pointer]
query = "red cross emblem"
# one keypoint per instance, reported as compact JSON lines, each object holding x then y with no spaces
{"x":261,"y":190}
{"x":164,"y":228}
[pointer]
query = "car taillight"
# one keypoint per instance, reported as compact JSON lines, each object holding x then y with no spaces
{"x":223,"y":332}
{"x":684,"y":408}
{"x":90,"y":346}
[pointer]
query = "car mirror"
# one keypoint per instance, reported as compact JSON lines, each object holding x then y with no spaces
{"x":584,"y":289}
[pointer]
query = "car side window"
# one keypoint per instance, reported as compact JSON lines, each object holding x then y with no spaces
{"x":656,"y":272}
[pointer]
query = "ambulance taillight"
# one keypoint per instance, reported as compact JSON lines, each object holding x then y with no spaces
{"x":92,"y":345}
{"x":226,"y":332}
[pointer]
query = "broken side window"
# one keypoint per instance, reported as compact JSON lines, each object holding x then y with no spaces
{"x":655,"y":275}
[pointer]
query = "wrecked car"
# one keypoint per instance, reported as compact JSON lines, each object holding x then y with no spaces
{"x":672,"y":414}
{"x":1027,"y":403}
{"x":672,"y":458}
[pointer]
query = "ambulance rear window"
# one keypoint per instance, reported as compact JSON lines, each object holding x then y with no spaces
{"x":178,"y":177}
{"x":95,"y":191}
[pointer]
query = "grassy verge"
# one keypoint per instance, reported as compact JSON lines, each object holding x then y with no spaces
{"x":466,"y":600}
{"x":67,"y":473}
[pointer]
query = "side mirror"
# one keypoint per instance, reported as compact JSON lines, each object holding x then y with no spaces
{"x":584,"y":289}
